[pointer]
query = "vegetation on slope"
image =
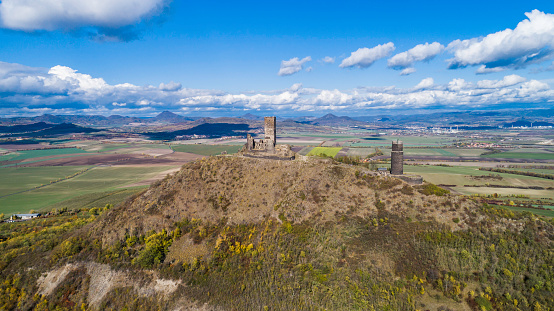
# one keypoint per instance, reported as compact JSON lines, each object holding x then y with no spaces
{"x":247,"y":234}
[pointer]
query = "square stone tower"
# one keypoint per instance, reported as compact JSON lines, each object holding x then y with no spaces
{"x":270,"y":129}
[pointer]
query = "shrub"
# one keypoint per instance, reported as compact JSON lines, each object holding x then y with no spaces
{"x":155,"y":250}
{"x":431,"y":189}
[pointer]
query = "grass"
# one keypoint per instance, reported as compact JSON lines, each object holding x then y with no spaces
{"x":540,"y":212}
{"x":100,"y":179}
{"x":458,"y":175}
{"x":450,"y":152}
{"x":97,"y":199}
{"x":22,"y":178}
{"x":327,"y":151}
{"x":41,"y":160}
{"x":533,"y":194}
{"x":305,"y":150}
{"x":521,"y":155}
{"x":207,"y":150}
{"x":29,"y":154}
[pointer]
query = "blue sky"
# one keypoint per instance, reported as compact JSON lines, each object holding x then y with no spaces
{"x":215,"y":58}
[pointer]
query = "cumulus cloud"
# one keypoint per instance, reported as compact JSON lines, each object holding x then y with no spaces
{"x":109,"y":20}
{"x":532,"y":41}
{"x":171,"y":86}
{"x":365,"y":57}
{"x":419,"y":53}
{"x":506,"y":81}
{"x":328,"y":60}
{"x":293,"y":65}
{"x":63,"y":90}
{"x":407,"y":71}
{"x":425,"y":83}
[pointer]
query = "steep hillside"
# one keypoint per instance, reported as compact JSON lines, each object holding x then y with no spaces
{"x":232,"y":233}
{"x":245,"y":190}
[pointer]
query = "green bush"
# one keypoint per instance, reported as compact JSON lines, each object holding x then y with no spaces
{"x":155,"y":250}
{"x":431,"y":189}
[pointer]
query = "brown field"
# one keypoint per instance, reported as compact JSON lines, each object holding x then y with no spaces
{"x":177,"y":158}
{"x":23,"y":147}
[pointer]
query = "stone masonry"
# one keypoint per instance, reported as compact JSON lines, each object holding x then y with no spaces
{"x":397,"y":158}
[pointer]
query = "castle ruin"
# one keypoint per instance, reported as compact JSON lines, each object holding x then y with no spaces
{"x":267,"y":147}
{"x":397,"y":158}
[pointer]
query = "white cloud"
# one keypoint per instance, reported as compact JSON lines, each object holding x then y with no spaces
{"x":419,"y":53}
{"x":293,"y":65}
{"x":506,"y":81}
{"x":364,"y":57}
{"x":82,"y":82}
{"x":106,"y":15}
{"x":309,"y":69}
{"x":532,"y":41}
{"x":328,"y":60}
{"x":171,"y":86}
{"x":296,"y":87}
{"x":407,"y":71}
{"x":425,"y":83}
{"x":63,"y":90}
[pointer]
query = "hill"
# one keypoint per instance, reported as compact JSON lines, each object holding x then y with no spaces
{"x":332,"y":120}
{"x":232,"y":233}
{"x":23,"y":128}
{"x":169,"y":117}
{"x":42,"y":129}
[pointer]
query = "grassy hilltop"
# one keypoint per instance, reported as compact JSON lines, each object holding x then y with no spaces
{"x":229,"y":233}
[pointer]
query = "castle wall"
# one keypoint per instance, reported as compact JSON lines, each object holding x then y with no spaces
{"x":249,"y":142}
{"x":397,"y":158}
{"x":270,"y":129}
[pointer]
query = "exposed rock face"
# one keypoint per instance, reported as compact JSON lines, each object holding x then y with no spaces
{"x":102,"y":279}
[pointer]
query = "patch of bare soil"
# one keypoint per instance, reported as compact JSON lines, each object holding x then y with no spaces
{"x":103,"y":279}
{"x":47,"y":283}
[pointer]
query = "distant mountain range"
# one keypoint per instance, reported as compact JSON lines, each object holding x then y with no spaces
{"x":42,"y":129}
{"x":96,"y":120}
{"x":467,"y":119}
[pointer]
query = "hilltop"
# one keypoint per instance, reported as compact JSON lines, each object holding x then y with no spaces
{"x":233,"y":233}
{"x":245,"y":191}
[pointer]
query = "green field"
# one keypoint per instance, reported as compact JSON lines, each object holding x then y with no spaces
{"x":449,"y":152}
{"x":100,"y":179}
{"x":46,"y":159}
{"x":528,"y":154}
{"x":459,"y":176}
{"x":29,"y":154}
{"x":97,"y":199}
{"x":207,"y":150}
{"x":22,"y":178}
{"x":328,"y":151}
{"x":305,"y":150}
{"x":540,"y":212}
